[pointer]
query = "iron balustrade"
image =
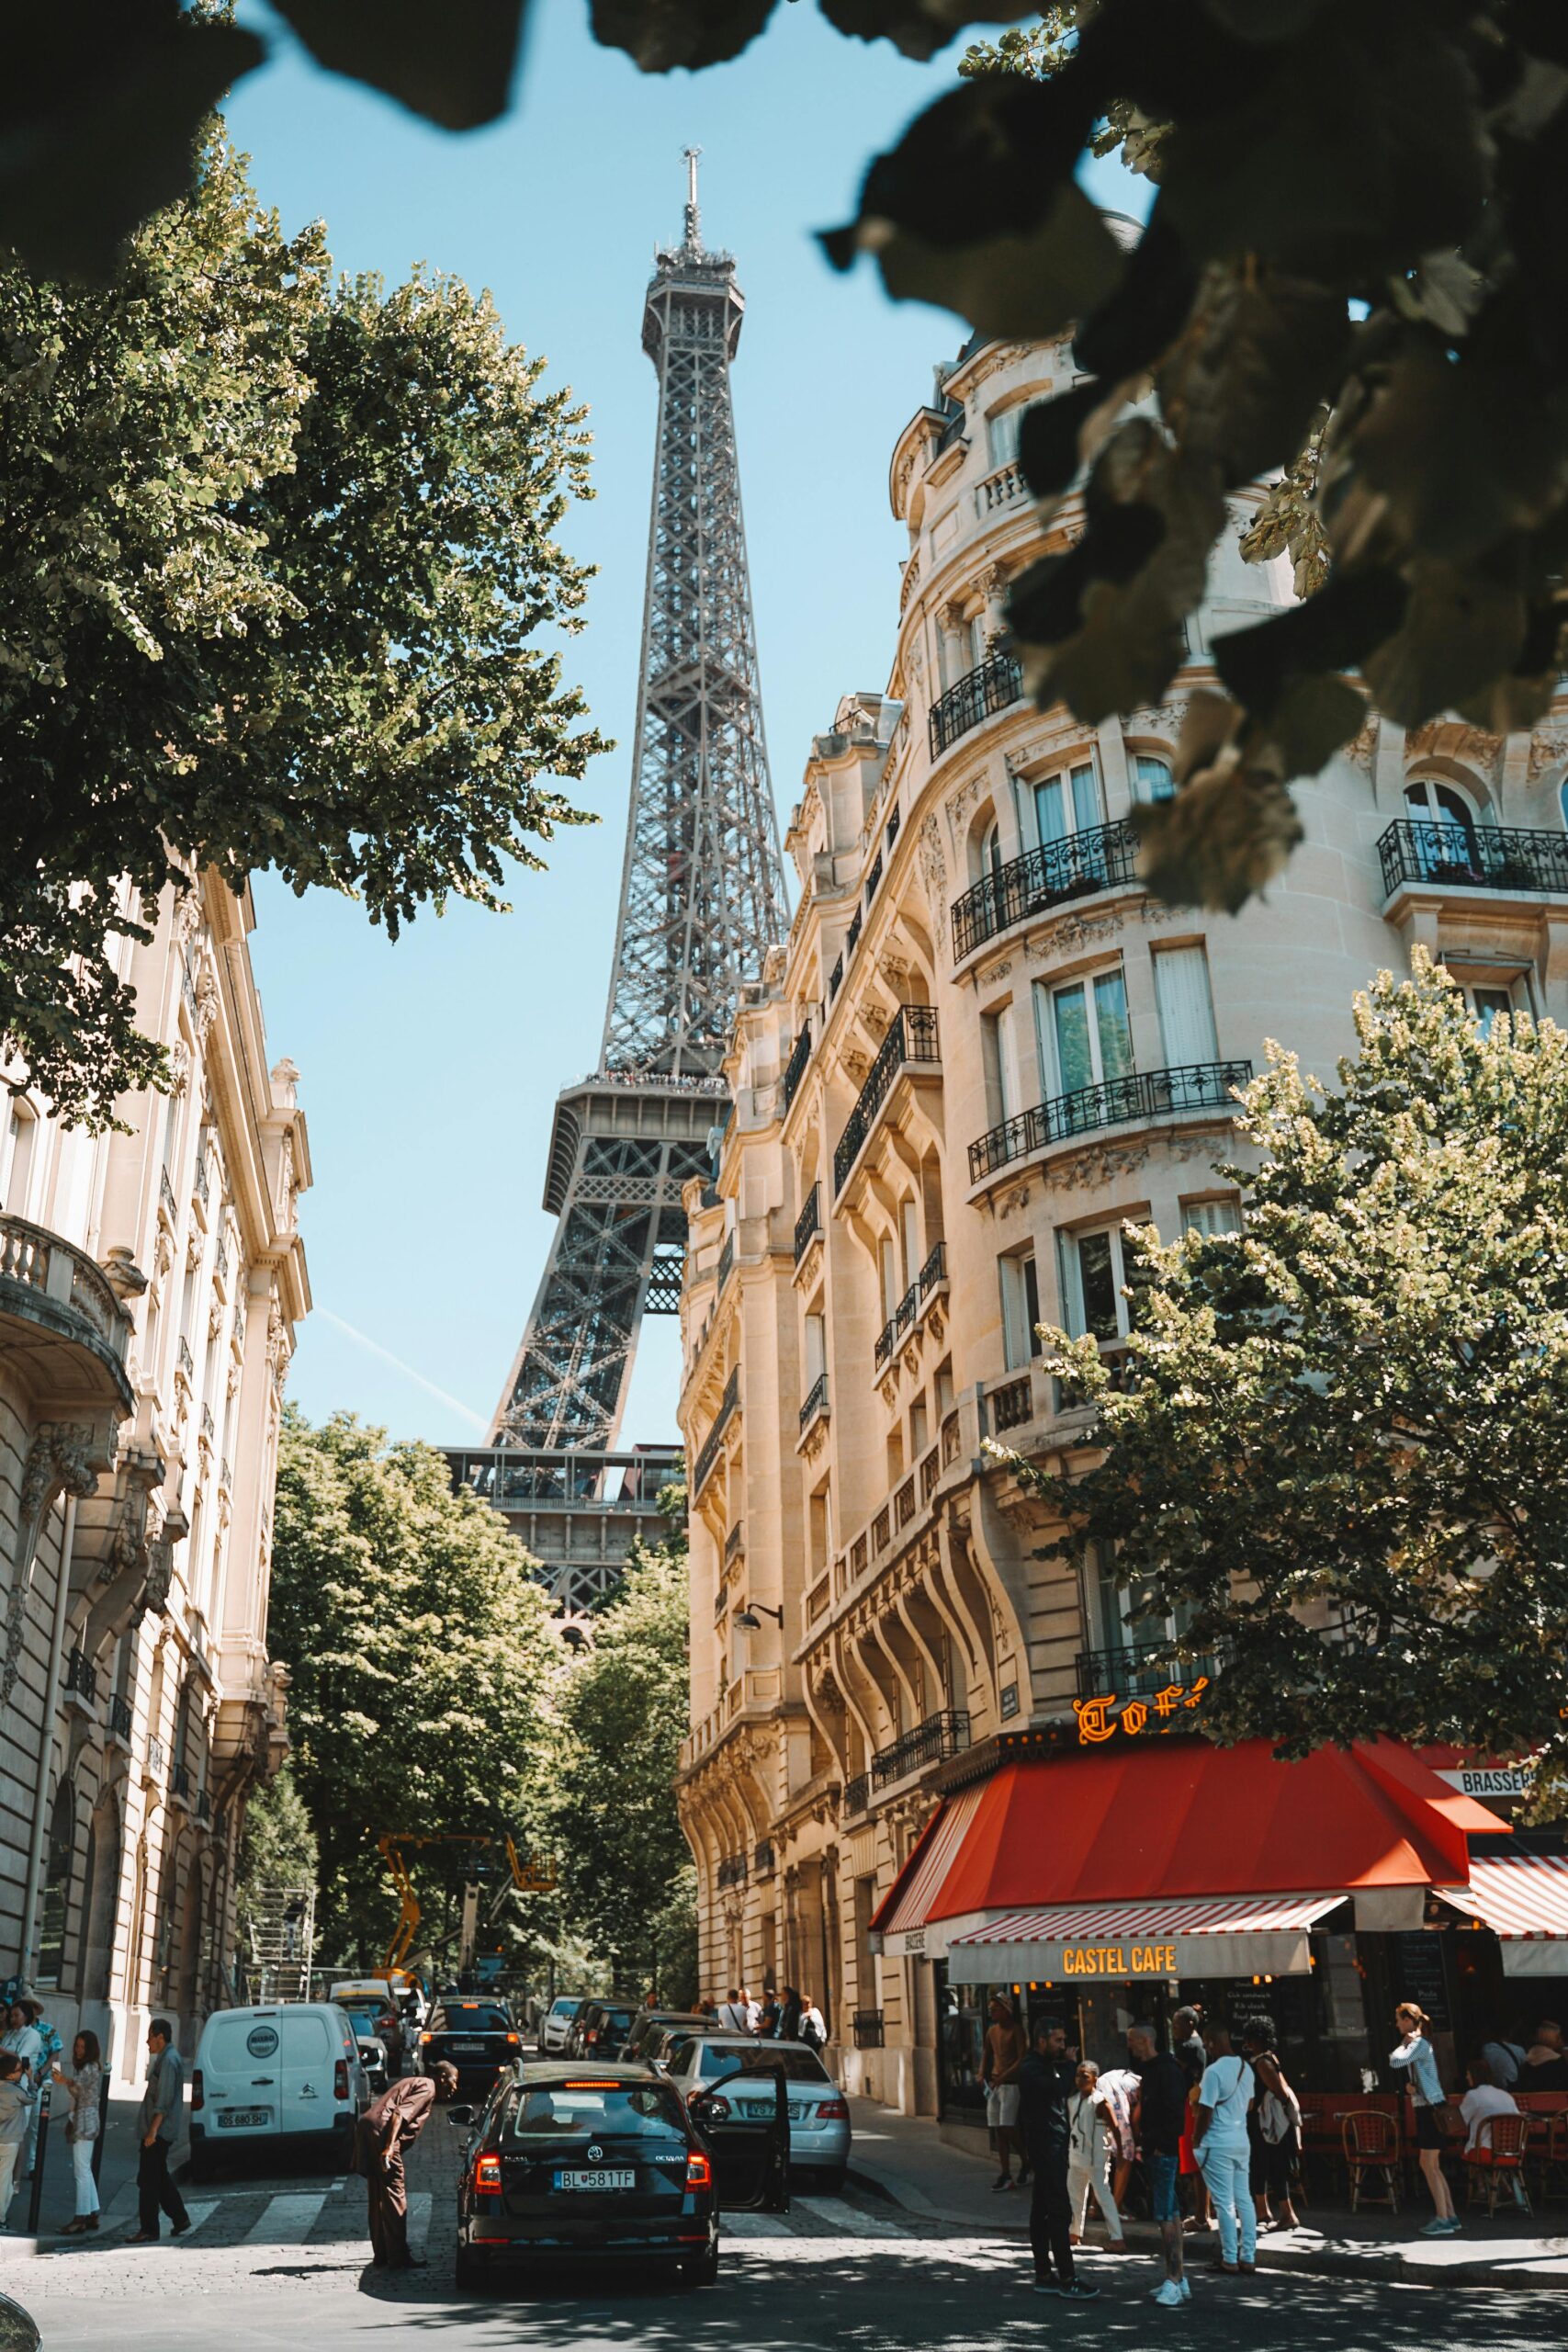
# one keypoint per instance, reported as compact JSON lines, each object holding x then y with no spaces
{"x":932,"y":1274}
{"x":225,"y":1475}
{"x":911,"y":1037}
{"x":1479,"y":857}
{"x":857,"y":1793}
{"x":941,"y":1735}
{"x":708,"y":1455}
{"x":891,"y":833}
{"x":763,"y":1859}
{"x":836,"y":977}
{"x":1137,"y":1669}
{"x":993,"y":685}
{"x":726,"y":1260}
{"x":732,"y":1870}
{"x":209,"y":1427}
{"x":852,"y":937}
{"x":874,"y":877}
{"x":734,"y":1540}
{"x":1041,"y":879}
{"x":203,"y":1806}
{"x":119,"y":1717}
{"x":1141,"y":1094}
{"x":808,"y":1224}
{"x":795,"y":1067}
{"x":82,"y":1675}
{"x":868,"y":2029}
{"x":816,"y":1402}
{"x":221,"y":1258}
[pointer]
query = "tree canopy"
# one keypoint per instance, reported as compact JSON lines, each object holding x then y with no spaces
{"x":281,"y":589}
{"x":1341,"y":1465}
{"x":424,"y":1671}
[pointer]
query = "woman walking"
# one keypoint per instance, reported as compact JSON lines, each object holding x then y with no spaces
{"x":82,"y":2085}
{"x":1220,"y":2144}
{"x":1416,"y":2054}
{"x":1089,"y":2156}
{"x":1276,"y":2149}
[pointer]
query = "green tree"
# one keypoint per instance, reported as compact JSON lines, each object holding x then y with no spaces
{"x":1342,"y":1468}
{"x":423,"y":1667}
{"x":277,"y":1846}
{"x":280,"y":584}
{"x":628,"y":1885}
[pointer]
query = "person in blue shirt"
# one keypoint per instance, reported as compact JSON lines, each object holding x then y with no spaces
{"x":1416,"y":2054}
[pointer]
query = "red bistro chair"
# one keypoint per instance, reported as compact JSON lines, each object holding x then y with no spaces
{"x":1491,"y":2171}
{"x":1371,"y":2156}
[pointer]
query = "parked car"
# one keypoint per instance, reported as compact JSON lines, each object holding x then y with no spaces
{"x":660,"y":2047}
{"x":819,"y":2111}
{"x":599,"y":2031}
{"x":368,"y":2017}
{"x":607,"y":2163}
{"x":475,"y":2036}
{"x":265,"y":2075}
{"x":651,"y":2022}
{"x":556,"y":2023}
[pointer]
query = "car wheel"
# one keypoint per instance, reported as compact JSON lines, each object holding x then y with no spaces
{"x":831,"y":2183}
{"x":472,"y":2269}
{"x":700,"y":2270}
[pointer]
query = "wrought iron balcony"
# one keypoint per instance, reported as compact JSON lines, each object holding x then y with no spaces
{"x":868,"y":2029}
{"x":726,"y":1260}
{"x":895,"y":820}
{"x":874,"y":877}
{"x":1043,"y":879}
{"x":941,"y":1735}
{"x":795,"y":1067}
{"x":857,"y":1793}
{"x":763,"y":1859}
{"x":708,"y":1455}
{"x":119,"y":1717}
{"x":911,"y":1037}
{"x":1138,"y":1669}
{"x":1141,"y":1094}
{"x":836,"y":977}
{"x":203,"y":1806}
{"x":179,"y":1782}
{"x":931,"y":1276}
{"x":816,"y":1402}
{"x":731,"y":1871}
{"x":1479,"y":857}
{"x":808,"y":1224}
{"x":735,"y":1541}
{"x":992,"y":686}
{"x":82,"y":1675}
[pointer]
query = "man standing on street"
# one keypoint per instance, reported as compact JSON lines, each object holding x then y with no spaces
{"x":999,"y":2067}
{"x":159,"y":2125}
{"x":389,"y":2125}
{"x":1162,"y":2120}
{"x":1045,"y":2082}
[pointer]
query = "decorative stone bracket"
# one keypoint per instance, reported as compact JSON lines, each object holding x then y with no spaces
{"x":65,"y":1457}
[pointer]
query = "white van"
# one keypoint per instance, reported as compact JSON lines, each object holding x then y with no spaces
{"x":265,"y":2076}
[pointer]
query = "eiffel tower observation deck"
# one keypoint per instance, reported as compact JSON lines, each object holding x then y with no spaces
{"x":702,"y":896}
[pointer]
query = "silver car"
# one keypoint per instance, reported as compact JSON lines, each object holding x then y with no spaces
{"x":555,"y":2024}
{"x":819,"y":2111}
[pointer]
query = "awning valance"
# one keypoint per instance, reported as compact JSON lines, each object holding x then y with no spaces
{"x":1225,"y":1935}
{"x":1523,"y":1898}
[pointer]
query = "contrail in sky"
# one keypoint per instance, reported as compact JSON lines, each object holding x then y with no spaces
{"x":365,"y":1340}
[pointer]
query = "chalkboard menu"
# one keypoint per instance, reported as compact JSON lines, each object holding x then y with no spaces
{"x":1420,"y":1975}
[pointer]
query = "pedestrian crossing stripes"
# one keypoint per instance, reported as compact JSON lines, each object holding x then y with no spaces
{"x":851,"y":2219}
{"x":286,"y":2221}
{"x":755,"y":2225}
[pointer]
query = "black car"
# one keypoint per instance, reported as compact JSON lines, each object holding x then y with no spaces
{"x":586,"y":2164}
{"x":479,"y":2037}
{"x":599,"y":2029}
{"x":649,"y":2023}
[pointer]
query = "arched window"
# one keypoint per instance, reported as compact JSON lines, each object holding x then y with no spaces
{"x":1563,"y":798}
{"x":1445,"y":828}
{"x":991,"y":851}
{"x":56,"y":1884}
{"x":1153,"y":777}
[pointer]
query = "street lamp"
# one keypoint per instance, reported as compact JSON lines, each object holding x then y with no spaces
{"x":750,"y":1618}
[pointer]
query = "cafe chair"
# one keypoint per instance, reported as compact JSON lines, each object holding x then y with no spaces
{"x":1371,"y":2157}
{"x":1553,"y":2178}
{"x":1492,"y":2172}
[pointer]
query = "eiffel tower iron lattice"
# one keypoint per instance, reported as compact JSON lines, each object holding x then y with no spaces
{"x":702,"y":897}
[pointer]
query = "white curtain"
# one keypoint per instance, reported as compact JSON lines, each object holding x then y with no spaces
{"x":1186,"y":1007}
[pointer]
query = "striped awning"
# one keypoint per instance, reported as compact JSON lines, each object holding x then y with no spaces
{"x":906,"y":1914}
{"x":1523,"y":1898}
{"x":1263,"y":1935}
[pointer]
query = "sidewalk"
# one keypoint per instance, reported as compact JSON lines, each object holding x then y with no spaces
{"x":122,"y":2143}
{"x":901,"y":2157}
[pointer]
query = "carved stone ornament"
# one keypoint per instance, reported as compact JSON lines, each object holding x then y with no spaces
{"x":124,"y":1276}
{"x":179,"y":1065}
{"x":194,"y":1246}
{"x":933,"y":869}
{"x":1362,"y":750}
{"x":1070,"y":934}
{"x":961,"y":802}
{"x":1456,"y":741}
{"x":187,"y":917}
{"x":1165,"y":720}
{"x":1548,"y":745}
{"x":815,"y":1438}
{"x":207,"y":1000}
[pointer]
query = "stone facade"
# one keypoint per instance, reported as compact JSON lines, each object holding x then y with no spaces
{"x":149,"y":1286}
{"x":982,"y":1048}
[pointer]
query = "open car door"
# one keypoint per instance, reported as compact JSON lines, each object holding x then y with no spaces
{"x":744,"y":2118}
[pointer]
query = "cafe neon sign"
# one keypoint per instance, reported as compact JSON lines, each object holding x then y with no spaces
{"x":1100,"y":1719}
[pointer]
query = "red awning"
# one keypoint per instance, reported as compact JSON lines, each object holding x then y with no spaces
{"x":1523,"y":1898}
{"x":1166,"y":1817}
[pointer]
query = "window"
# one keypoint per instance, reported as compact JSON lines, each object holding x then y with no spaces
{"x":1447,"y":821}
{"x":888,"y":1262}
{"x":1092,"y":1273}
{"x":815,"y":1356}
{"x":1001,"y":436}
{"x":995,"y":1055}
{"x":1186,"y":1006}
{"x":1021,"y":1309}
{"x":910,"y":1234}
{"x":1085,"y":1035}
{"x":990,"y":852}
{"x":1489,"y":997}
{"x":1153,"y":778}
{"x":1069,"y":803}
{"x":57,"y":1882}
{"x":1211,"y":1217}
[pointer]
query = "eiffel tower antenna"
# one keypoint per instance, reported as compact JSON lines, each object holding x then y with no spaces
{"x":702,"y":898}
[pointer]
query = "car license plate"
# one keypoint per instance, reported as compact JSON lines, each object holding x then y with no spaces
{"x":245,"y":2118}
{"x":466,"y":2049}
{"x":756,"y":2114}
{"x":600,"y":2179}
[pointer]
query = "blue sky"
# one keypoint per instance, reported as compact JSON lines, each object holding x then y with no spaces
{"x":429,"y":1069}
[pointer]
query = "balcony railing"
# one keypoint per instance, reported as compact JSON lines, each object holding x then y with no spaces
{"x":1141,"y":1094}
{"x":763,"y":1859}
{"x":82,"y":1675}
{"x":808,"y":1224}
{"x":203,"y":1806}
{"x":735,"y":1541}
{"x":119,"y":1717}
{"x":911,"y":1037}
{"x":990,"y":686}
{"x":726,"y":1260}
{"x":851,"y":936}
{"x":890,"y":832}
{"x":930,"y":1280}
{"x":874,"y":877}
{"x":857,"y":1793}
{"x":179,"y":1782}
{"x":209,"y":1427}
{"x":732,"y":1870}
{"x":939,"y":1735}
{"x":1043,"y":878}
{"x":1137,"y":1669}
{"x":836,"y":977}
{"x":868,"y":2027}
{"x":1482,"y":857}
{"x":816,"y":1402}
{"x":708,"y":1454}
{"x":795,"y":1067}
{"x":166,"y":1197}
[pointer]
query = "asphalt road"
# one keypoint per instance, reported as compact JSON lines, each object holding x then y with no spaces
{"x":281,"y":2266}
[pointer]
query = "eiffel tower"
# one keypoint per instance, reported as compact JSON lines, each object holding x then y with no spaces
{"x":702,"y":897}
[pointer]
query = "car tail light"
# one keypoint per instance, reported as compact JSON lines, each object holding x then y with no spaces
{"x":197,"y":2094}
{"x":592,"y":2034}
{"x":834,"y":2110}
{"x":515,"y":2039}
{"x":699,"y":2172}
{"x":424,"y":2037}
{"x":487,"y":2175}
{"x":340,"y":2079}
{"x":586,"y":2086}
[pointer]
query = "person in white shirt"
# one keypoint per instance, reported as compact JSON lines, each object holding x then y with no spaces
{"x":1482,"y":2105}
{"x":1223,"y":2153}
{"x":732,"y":2012}
{"x":751,"y":2013}
{"x":1089,"y":2129}
{"x":813,"y":2024}
{"x":24,"y":2038}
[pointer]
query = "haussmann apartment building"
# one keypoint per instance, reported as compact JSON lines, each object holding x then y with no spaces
{"x":923,"y":1762}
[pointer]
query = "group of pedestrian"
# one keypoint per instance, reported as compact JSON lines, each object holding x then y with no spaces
{"x":782,"y":2014}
